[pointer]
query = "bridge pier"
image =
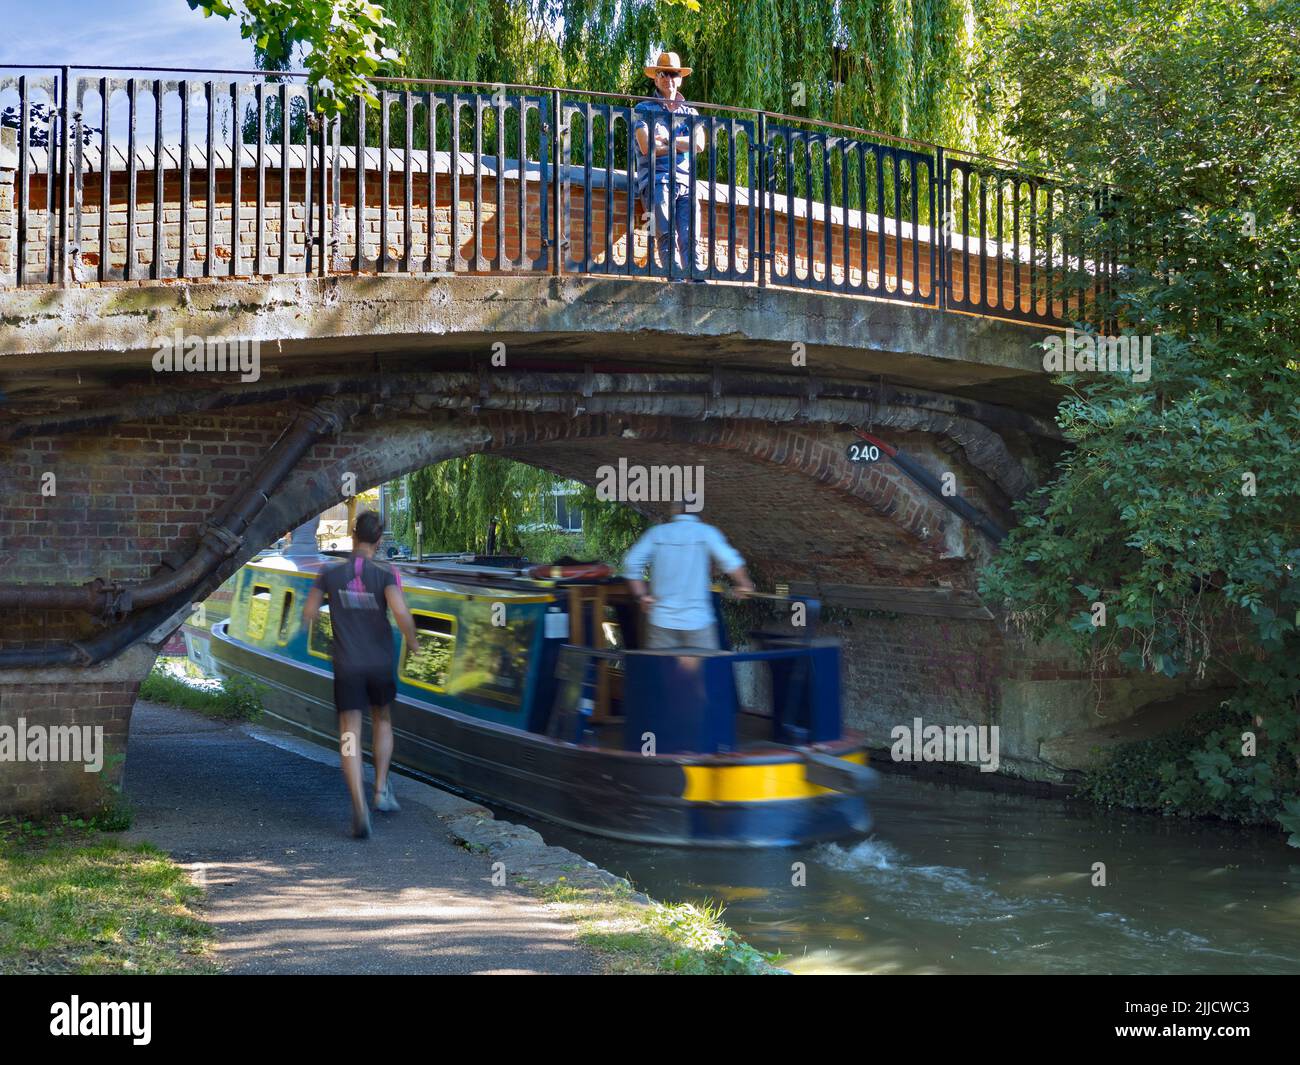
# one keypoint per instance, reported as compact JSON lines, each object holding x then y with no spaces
{"x":96,"y":701}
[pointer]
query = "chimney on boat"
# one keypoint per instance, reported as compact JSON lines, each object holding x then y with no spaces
{"x":303,"y":541}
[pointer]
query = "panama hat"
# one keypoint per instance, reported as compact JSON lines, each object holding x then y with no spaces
{"x":667,"y":61}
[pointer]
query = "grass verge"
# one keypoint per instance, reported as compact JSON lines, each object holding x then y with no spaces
{"x":636,"y":937}
{"x":73,"y":900}
{"x":234,"y":700}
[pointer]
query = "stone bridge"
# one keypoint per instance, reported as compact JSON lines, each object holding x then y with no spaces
{"x":131,"y":490}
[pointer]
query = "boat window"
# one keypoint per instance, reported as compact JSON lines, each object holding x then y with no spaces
{"x":259,"y":605}
{"x":428,"y":664}
{"x":320,"y":641}
{"x":286,"y":605}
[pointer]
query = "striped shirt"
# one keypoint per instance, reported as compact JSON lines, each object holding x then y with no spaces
{"x":655,"y":117}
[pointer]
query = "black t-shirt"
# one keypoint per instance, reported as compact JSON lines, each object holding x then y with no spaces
{"x":363,"y":636}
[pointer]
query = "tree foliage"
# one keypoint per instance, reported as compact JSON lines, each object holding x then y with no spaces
{"x":457,"y":499}
{"x":1176,"y":504}
{"x":343,"y":40}
{"x":899,"y":66}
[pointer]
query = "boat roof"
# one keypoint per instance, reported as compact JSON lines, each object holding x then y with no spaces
{"x":456,"y":574}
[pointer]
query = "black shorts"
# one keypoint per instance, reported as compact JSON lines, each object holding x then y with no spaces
{"x":357,"y":689}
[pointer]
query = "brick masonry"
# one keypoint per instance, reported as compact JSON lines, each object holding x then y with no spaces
{"x":98,"y":698}
{"x":152,"y":242}
{"x":785,"y":495}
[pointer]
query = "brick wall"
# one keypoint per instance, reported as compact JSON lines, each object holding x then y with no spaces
{"x":124,"y":498}
{"x":876,"y":266}
{"x":99,"y":698}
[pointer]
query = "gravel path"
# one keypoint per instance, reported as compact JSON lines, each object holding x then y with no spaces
{"x":263,"y":821}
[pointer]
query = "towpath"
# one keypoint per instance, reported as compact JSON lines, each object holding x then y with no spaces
{"x":264,"y":825}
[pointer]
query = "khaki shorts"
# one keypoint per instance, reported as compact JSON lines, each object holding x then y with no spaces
{"x":658,"y":639}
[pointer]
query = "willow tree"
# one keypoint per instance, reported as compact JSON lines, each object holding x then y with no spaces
{"x":457,"y":500}
{"x":902,"y":67}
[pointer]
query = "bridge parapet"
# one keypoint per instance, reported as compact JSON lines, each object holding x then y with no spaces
{"x":121,"y":177}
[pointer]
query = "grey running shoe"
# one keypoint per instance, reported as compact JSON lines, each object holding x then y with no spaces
{"x":386,"y":803}
{"x":361,"y":824}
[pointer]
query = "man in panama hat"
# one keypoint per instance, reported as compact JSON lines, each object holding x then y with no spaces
{"x":667,"y":141}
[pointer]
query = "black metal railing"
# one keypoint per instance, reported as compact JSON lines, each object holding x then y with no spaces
{"x":459,"y":177}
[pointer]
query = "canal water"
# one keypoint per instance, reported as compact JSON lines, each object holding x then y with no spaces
{"x":958,"y":881}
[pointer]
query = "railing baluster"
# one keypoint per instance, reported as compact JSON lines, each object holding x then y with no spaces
{"x":732,"y":196}
{"x":882,"y":285}
{"x":760,"y":183}
{"x":65,"y":134}
{"x":236,"y":176}
{"x":1033,"y":250}
{"x":210,"y":95}
{"x":78,"y":159}
{"x":898,"y":223}
{"x":633,"y":210}
{"x":791,"y":252}
{"x":828,"y":207}
{"x":156,"y":267}
{"x":259,"y":223}
{"x":385,"y":98}
{"x":51,"y":183}
{"x":1051,"y":255}
{"x":588,"y":133}
{"x":608,"y":235}
{"x":21,"y":178}
{"x":1001,"y":247}
{"x":916,"y":223}
{"x":359,"y":262}
{"x":105,"y":170}
{"x":864,"y":237}
{"x":807,"y":141}
{"x":499,"y":260}
{"x":453,"y":153}
{"x":692,"y":236}
{"x":524,"y":261}
{"x":129,"y":270}
{"x":984,"y":265}
{"x":408,"y":194}
{"x":309,"y":239}
{"x":558,"y":184}
{"x":846,"y":231}
{"x":284,"y":177}
{"x":711,"y":197}
{"x":1016,"y":187}
{"x":940,"y":233}
{"x":431,"y":164}
{"x":480,"y":263}
{"x":182,"y":246}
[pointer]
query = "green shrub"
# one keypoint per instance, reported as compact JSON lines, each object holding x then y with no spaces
{"x":1204,"y":769}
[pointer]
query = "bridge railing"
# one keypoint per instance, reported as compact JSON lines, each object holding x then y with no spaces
{"x":150,"y":174}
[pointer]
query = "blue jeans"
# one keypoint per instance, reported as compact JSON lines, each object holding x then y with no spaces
{"x":671,"y":214}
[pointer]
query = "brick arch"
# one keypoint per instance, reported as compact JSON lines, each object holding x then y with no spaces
{"x":786,"y":492}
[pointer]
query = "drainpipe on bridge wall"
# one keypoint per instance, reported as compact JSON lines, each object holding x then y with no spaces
{"x":918,"y":473}
{"x":222,"y":536}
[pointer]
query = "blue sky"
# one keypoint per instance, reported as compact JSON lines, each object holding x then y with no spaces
{"x":119,"y":33}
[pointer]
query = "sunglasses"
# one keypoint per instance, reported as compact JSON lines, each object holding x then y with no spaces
{"x":670,"y":73}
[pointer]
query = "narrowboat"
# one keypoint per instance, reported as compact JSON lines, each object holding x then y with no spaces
{"x":529,"y":688}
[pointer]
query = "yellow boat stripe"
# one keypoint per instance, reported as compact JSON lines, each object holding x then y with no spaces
{"x":764,"y":782}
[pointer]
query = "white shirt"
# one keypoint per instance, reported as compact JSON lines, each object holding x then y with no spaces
{"x":678,"y":553}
